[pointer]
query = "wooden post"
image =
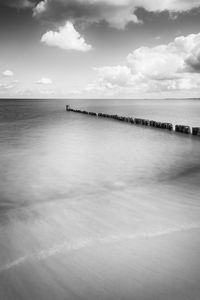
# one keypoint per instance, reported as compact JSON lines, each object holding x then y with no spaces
{"x":196,"y":131}
{"x":168,"y":126}
{"x":183,"y":129}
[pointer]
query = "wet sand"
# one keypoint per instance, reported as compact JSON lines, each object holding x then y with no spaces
{"x":159,"y":267}
{"x":124,"y":248}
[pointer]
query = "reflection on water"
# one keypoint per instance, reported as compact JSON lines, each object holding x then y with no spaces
{"x":94,"y":208}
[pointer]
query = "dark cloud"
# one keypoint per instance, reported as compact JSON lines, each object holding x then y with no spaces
{"x":117,"y":14}
{"x":19,"y":3}
{"x":193,"y":62}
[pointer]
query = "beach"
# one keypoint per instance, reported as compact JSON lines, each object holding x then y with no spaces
{"x":96,"y":209}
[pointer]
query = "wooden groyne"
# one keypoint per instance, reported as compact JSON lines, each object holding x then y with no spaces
{"x":144,"y":122}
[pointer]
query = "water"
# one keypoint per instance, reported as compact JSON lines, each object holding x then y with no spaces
{"x":98,"y":209}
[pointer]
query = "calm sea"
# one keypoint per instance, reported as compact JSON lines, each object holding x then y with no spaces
{"x":97,"y":209}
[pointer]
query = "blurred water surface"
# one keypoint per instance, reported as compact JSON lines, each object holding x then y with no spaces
{"x":97,"y":209}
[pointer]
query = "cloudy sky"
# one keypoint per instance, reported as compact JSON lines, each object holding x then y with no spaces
{"x":100,"y":48}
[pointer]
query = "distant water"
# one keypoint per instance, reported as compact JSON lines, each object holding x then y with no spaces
{"x":98,"y":209}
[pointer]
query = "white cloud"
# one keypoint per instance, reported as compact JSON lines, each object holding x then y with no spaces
{"x":160,"y":62}
{"x":170,"y":5}
{"x":8,"y":73}
{"x":44,"y":81}
{"x":171,"y":67}
{"x":117,"y":75}
{"x":66,"y":38}
{"x":40,"y":8}
{"x":9,"y":85}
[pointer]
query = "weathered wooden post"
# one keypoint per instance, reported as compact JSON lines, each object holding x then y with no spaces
{"x":152,"y":123}
{"x":183,"y":129}
{"x":169,"y":126}
{"x":145,"y":122}
{"x":138,"y":121}
{"x":196,"y":131}
{"x":131,"y":120}
{"x":186,"y":129}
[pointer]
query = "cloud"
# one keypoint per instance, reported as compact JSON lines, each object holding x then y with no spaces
{"x":191,"y":46}
{"x":119,"y":75}
{"x":19,"y":3}
{"x":116,"y":13}
{"x":8,"y":73}
{"x":160,"y":62}
{"x":66,"y":38}
{"x":40,"y":8}
{"x":44,"y":81}
{"x":171,"y":67}
{"x":169,"y":5}
{"x":9,"y":85}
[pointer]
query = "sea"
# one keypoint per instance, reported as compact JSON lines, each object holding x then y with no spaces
{"x":93,"y":208}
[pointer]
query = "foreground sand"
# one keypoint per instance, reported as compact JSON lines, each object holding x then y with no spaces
{"x":141,"y":247}
{"x":160,"y":267}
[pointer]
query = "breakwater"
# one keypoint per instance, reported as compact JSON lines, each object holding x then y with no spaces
{"x":144,"y":122}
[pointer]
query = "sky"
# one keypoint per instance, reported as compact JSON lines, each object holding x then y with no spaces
{"x":99,"y":49}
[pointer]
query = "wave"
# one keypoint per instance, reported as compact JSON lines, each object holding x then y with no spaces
{"x":78,"y":244}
